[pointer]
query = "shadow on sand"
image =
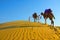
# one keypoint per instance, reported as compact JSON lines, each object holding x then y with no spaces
{"x":8,"y":27}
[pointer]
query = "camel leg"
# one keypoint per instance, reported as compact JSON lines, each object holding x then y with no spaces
{"x":45,"y":20}
{"x":34,"y":20}
{"x":38,"y":18}
{"x":52,"y":22}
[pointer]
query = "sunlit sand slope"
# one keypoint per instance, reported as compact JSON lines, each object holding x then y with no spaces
{"x":21,"y":23}
{"x":28,"y":31}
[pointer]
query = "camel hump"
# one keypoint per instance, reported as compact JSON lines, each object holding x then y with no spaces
{"x":47,"y":11}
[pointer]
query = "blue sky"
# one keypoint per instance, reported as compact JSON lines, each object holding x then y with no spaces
{"x":12,"y":10}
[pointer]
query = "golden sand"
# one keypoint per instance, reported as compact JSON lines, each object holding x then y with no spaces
{"x":21,"y":30}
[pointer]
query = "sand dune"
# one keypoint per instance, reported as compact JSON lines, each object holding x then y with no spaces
{"x":23,"y":30}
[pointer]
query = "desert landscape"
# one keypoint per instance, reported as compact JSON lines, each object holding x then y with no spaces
{"x":29,"y":20}
{"x":25,"y":30}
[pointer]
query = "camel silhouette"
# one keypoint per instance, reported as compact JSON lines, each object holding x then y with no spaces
{"x":48,"y":14}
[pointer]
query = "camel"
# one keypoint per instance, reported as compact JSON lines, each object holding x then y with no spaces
{"x":49,"y":15}
{"x":36,"y":17}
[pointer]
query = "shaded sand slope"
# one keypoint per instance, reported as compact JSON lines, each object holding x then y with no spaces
{"x":23,"y":30}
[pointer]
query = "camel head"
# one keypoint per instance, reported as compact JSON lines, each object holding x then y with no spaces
{"x":41,"y":13}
